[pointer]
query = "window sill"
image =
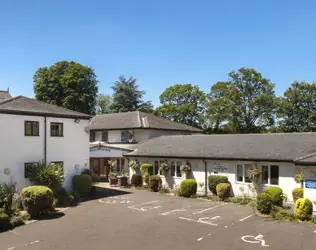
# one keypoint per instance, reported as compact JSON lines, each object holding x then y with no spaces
{"x":244,"y":183}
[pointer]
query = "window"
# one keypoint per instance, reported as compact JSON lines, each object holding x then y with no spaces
{"x":124,"y":136}
{"x":56,"y":129}
{"x":242,"y":173}
{"x":270,"y":175}
{"x":178,"y":165}
{"x":173,"y":168}
{"x":156,"y":167}
{"x":31,"y":128}
{"x":92,"y":136}
{"x":28,"y":168}
{"x":105,"y":136}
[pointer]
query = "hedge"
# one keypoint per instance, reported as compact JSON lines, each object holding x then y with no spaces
{"x":188,"y":188}
{"x":214,"y":180}
{"x":297,"y":193}
{"x":82,"y":184}
{"x":137,"y":180}
{"x":154,"y":183}
{"x":37,"y":200}
{"x":223,"y":190}
{"x":304,"y":209}
{"x":4,"y":221}
{"x":264,"y":203}
{"x":276,"y":194}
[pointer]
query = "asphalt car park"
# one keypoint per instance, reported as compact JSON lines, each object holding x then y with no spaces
{"x":138,"y":219}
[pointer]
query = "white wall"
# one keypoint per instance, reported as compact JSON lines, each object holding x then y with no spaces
{"x":287,"y":173}
{"x":106,"y":153}
{"x":16,"y":149}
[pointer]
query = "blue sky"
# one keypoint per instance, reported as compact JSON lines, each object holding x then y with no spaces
{"x":160,"y":42}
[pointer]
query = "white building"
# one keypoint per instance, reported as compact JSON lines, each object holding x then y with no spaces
{"x":32,"y":131}
{"x":112,"y":135}
{"x":278,"y":156}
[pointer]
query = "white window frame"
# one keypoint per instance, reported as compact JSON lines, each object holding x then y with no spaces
{"x":243,"y":173}
{"x":269,"y":175}
{"x":175,"y":170}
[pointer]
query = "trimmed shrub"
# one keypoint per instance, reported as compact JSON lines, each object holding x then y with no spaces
{"x":214,"y":180}
{"x":154,"y":183}
{"x":87,"y":171}
{"x":188,"y":188}
{"x":137,"y":180}
{"x":37,"y":200}
{"x":147,"y":170}
{"x":297,"y":193}
{"x":264,"y":203}
{"x":276,"y":195}
{"x":95,"y":178}
{"x":62,"y":198}
{"x":223,"y":191}
{"x":82,"y":184}
{"x":304,"y":209}
{"x":4,"y":221}
{"x":16,"y":221}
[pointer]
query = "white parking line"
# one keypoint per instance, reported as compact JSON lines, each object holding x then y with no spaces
{"x":173,"y":211}
{"x":207,"y":209}
{"x":183,"y":218}
{"x":142,"y":204}
{"x":246,"y":218}
{"x":199,"y":239}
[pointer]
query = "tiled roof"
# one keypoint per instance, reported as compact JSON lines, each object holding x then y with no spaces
{"x":295,"y":147}
{"x":4,"y":95}
{"x":136,"y":119}
{"x":28,"y":106}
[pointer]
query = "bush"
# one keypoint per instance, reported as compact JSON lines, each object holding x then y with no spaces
{"x":276,"y":195}
{"x":223,"y":190}
{"x":95,"y":178}
{"x":264,"y":203}
{"x":164,"y":190}
{"x":37,"y":200}
{"x":7,"y":197}
{"x":214,"y":180}
{"x":297,"y":193}
{"x":16,"y":221}
{"x":87,"y":171}
{"x":62,"y":199}
{"x":279,"y":213}
{"x":4,"y":221}
{"x":241,"y":200}
{"x":51,"y":176}
{"x":188,"y":188}
{"x":154,"y":183}
{"x":137,"y":180}
{"x":82,"y":184}
{"x":147,"y":171}
{"x":304,"y":209}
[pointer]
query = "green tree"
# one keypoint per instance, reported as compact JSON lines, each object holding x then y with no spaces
{"x":103,"y":105}
{"x":246,"y":103}
{"x":297,"y":111}
{"x":128,"y":97}
{"x":183,"y":103}
{"x":67,"y":84}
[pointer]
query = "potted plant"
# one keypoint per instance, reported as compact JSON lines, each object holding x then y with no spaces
{"x":185,"y":169}
{"x":164,"y":167}
{"x":113,"y":178}
{"x":134,"y":165}
{"x":122,"y":180}
{"x":299,"y":178}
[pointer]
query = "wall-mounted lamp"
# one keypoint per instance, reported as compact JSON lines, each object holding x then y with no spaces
{"x":77,"y":120}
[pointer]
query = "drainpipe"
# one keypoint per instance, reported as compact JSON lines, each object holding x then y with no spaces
{"x":45,"y":140}
{"x":205,"y":169}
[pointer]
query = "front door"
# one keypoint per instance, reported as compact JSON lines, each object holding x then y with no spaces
{"x":100,"y":167}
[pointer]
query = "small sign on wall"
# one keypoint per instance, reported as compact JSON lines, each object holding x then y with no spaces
{"x":310,"y":184}
{"x":220,"y":168}
{"x":7,"y":171}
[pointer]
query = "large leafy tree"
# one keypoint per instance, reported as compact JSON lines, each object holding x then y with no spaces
{"x":103,"y":105}
{"x":297,"y":111}
{"x":67,"y":84}
{"x":183,"y":103}
{"x":246,"y":103}
{"x":128,"y":97}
